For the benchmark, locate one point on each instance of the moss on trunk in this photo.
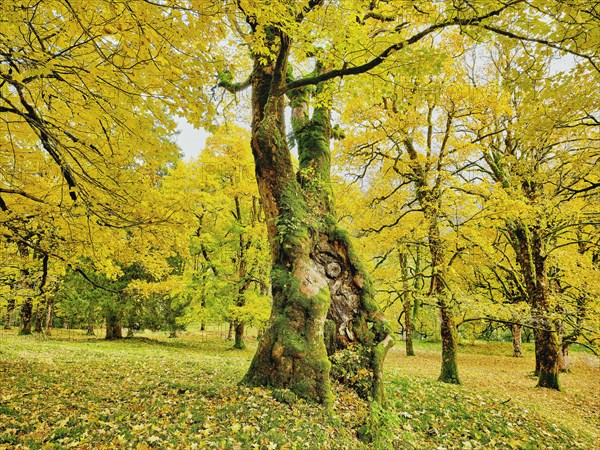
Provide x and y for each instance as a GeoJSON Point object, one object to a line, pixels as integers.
{"type": "Point", "coordinates": [315, 276]}
{"type": "Point", "coordinates": [26, 317]}
{"type": "Point", "coordinates": [449, 372]}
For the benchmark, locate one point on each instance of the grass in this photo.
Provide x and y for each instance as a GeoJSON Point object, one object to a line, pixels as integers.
{"type": "Point", "coordinates": [70, 391]}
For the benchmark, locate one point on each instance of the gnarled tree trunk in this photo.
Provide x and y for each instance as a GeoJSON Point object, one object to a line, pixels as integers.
{"type": "Point", "coordinates": [315, 276]}
{"type": "Point", "coordinates": [26, 316]}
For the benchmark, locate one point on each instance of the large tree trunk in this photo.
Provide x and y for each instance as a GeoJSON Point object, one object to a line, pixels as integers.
{"type": "Point", "coordinates": [516, 329]}
{"type": "Point", "coordinates": [531, 257]}
{"type": "Point", "coordinates": [114, 330]}
{"type": "Point", "coordinates": [315, 275]}
{"type": "Point", "coordinates": [449, 371]}
{"type": "Point", "coordinates": [25, 315]}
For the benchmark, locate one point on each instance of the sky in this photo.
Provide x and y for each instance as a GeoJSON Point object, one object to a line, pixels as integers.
{"type": "Point", "coordinates": [190, 140]}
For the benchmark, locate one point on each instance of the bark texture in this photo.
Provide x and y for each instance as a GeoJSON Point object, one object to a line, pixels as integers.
{"type": "Point", "coordinates": [516, 329]}
{"type": "Point", "coordinates": [316, 277]}
{"type": "Point", "coordinates": [10, 308]}
{"type": "Point", "coordinates": [26, 316]}
{"type": "Point", "coordinates": [114, 329]}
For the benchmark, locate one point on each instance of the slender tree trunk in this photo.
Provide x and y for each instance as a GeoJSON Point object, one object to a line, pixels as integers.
{"type": "Point", "coordinates": [408, 329]}
{"type": "Point", "coordinates": [407, 305]}
{"type": "Point", "coordinates": [516, 329]}
{"type": "Point", "coordinates": [49, 312]}
{"type": "Point", "coordinates": [243, 282]}
{"type": "Point", "coordinates": [538, 346]}
{"type": "Point", "coordinates": [449, 334]}
{"type": "Point", "coordinates": [239, 336]}
{"type": "Point", "coordinates": [39, 318]}
{"type": "Point", "coordinates": [565, 361]}
{"type": "Point", "coordinates": [90, 328]}
{"type": "Point", "coordinates": [230, 330]}
{"type": "Point", "coordinates": [10, 308]}
{"type": "Point", "coordinates": [25, 315]}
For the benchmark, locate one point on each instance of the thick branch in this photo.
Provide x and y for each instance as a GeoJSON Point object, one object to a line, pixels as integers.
{"type": "Point", "coordinates": [383, 56]}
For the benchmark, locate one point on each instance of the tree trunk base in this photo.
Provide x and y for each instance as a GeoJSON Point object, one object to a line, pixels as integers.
{"type": "Point", "coordinates": [548, 380]}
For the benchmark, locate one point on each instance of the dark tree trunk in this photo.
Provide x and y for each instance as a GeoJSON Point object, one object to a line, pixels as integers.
{"type": "Point", "coordinates": [449, 372]}
{"type": "Point", "coordinates": [408, 329]}
{"type": "Point", "coordinates": [531, 257]}
{"type": "Point", "coordinates": [315, 275]}
{"type": "Point", "coordinates": [538, 347]}
{"type": "Point", "coordinates": [230, 331]}
{"type": "Point", "coordinates": [49, 312]}
{"type": "Point", "coordinates": [25, 315]}
{"type": "Point", "coordinates": [407, 305]}
{"type": "Point", "coordinates": [114, 330]}
{"type": "Point", "coordinates": [516, 329]}
{"type": "Point", "coordinates": [429, 195]}
{"type": "Point", "coordinates": [39, 319]}
{"type": "Point", "coordinates": [239, 336]}
{"type": "Point", "coordinates": [548, 354]}
{"type": "Point", "coordinates": [90, 328]}
{"type": "Point", "coordinates": [449, 334]}
{"type": "Point", "coordinates": [242, 280]}
{"type": "Point", "coordinates": [564, 361]}
{"type": "Point", "coordinates": [10, 308]}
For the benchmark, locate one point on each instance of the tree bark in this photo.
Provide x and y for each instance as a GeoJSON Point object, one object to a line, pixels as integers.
{"type": "Point", "coordinates": [407, 305]}
{"type": "Point", "coordinates": [564, 361]}
{"type": "Point", "coordinates": [49, 312]}
{"type": "Point", "coordinates": [114, 330]}
{"type": "Point", "coordinates": [449, 334]}
{"type": "Point", "coordinates": [531, 257]}
{"type": "Point", "coordinates": [10, 308]}
{"type": "Point", "coordinates": [39, 319]}
{"type": "Point", "coordinates": [25, 315]}
{"type": "Point", "coordinates": [517, 329]}
{"type": "Point", "coordinates": [315, 274]}
{"type": "Point", "coordinates": [239, 342]}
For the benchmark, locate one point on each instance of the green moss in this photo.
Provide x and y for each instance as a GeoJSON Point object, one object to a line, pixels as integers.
{"type": "Point", "coordinates": [292, 230]}
{"type": "Point", "coordinates": [330, 336]}
{"type": "Point", "coordinates": [294, 344]}
{"type": "Point", "coordinates": [361, 329]}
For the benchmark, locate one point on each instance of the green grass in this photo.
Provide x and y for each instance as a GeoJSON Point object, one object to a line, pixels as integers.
{"type": "Point", "coordinates": [153, 392]}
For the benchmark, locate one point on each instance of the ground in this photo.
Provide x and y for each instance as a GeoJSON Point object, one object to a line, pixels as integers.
{"type": "Point", "coordinates": [70, 391]}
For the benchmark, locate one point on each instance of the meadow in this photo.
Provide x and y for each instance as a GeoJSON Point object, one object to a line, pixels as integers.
{"type": "Point", "coordinates": [72, 391]}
